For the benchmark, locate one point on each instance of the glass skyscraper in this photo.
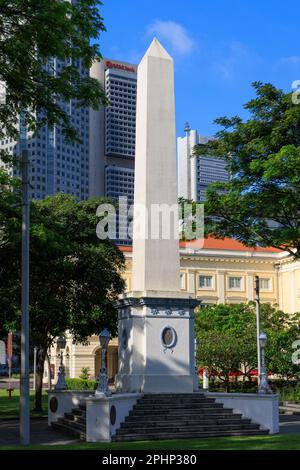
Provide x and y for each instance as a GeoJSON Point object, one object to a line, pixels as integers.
{"type": "Point", "coordinates": [57, 165]}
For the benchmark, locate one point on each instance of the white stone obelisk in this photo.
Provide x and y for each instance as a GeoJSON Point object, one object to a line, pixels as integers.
{"type": "Point", "coordinates": [156, 320]}
{"type": "Point", "coordinates": [155, 261]}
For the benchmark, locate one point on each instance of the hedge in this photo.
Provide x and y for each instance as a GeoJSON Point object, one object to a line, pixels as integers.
{"type": "Point", "coordinates": [79, 384]}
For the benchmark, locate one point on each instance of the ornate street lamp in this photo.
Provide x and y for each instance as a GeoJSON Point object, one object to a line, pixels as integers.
{"type": "Point", "coordinates": [102, 389]}
{"type": "Point", "coordinates": [195, 362]}
{"type": "Point", "coordinates": [263, 383]}
{"type": "Point", "coordinates": [61, 377]}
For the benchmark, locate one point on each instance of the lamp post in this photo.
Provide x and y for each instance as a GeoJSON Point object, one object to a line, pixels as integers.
{"type": "Point", "coordinates": [195, 360]}
{"type": "Point", "coordinates": [263, 383]}
{"type": "Point", "coordinates": [61, 381]}
{"type": "Point", "coordinates": [34, 367]}
{"type": "Point", "coordinates": [25, 382]}
{"type": "Point", "coordinates": [102, 389]}
{"type": "Point", "coordinates": [257, 304]}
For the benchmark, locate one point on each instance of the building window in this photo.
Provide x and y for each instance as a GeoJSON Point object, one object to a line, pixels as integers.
{"type": "Point", "coordinates": [183, 280]}
{"type": "Point", "coordinates": [205, 282]}
{"type": "Point", "coordinates": [235, 283]}
{"type": "Point", "coordinates": [265, 283]}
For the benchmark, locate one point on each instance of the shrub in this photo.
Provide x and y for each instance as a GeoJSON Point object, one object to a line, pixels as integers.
{"type": "Point", "coordinates": [79, 384]}
{"type": "Point", "coordinates": [85, 373]}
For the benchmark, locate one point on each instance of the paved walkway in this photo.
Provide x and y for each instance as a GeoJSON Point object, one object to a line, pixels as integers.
{"type": "Point", "coordinates": [40, 433]}
{"type": "Point", "coordinates": [15, 383]}
{"type": "Point", "coordinates": [289, 424]}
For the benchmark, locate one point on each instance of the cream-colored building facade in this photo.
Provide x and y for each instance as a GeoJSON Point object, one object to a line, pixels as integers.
{"type": "Point", "coordinates": [215, 272]}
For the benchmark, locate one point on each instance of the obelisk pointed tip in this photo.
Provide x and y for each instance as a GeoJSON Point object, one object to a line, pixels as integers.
{"type": "Point", "coordinates": [157, 50]}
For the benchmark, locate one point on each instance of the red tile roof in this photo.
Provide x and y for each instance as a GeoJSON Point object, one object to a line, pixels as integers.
{"type": "Point", "coordinates": [211, 243]}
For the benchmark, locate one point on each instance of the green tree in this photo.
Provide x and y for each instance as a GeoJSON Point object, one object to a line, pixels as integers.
{"type": "Point", "coordinates": [32, 32]}
{"type": "Point", "coordinates": [225, 352]}
{"type": "Point", "coordinates": [260, 204]}
{"type": "Point", "coordinates": [85, 373]}
{"type": "Point", "coordinates": [233, 328]}
{"type": "Point", "coordinates": [74, 277]}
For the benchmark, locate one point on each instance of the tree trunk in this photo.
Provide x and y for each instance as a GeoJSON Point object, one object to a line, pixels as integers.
{"type": "Point", "coordinates": [41, 354]}
{"type": "Point", "coordinates": [227, 384]}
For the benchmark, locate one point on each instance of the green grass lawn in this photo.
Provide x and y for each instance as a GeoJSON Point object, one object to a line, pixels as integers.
{"type": "Point", "coordinates": [287, 442]}
{"type": "Point", "coordinates": [9, 407]}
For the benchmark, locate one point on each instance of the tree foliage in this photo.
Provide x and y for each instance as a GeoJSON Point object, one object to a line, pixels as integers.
{"type": "Point", "coordinates": [261, 203]}
{"type": "Point", "coordinates": [227, 340]}
{"type": "Point", "coordinates": [74, 277]}
{"type": "Point", "coordinates": [32, 33]}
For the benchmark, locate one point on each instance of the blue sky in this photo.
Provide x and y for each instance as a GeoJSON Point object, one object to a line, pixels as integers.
{"type": "Point", "coordinates": [219, 48]}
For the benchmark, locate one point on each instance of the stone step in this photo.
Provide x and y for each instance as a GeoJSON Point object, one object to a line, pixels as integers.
{"type": "Point", "coordinates": [175, 406]}
{"type": "Point", "coordinates": [69, 430]}
{"type": "Point", "coordinates": [179, 412]}
{"type": "Point", "coordinates": [133, 417]}
{"type": "Point", "coordinates": [74, 417]}
{"type": "Point", "coordinates": [73, 424]}
{"type": "Point", "coordinates": [180, 400]}
{"type": "Point", "coordinates": [188, 428]}
{"type": "Point", "coordinates": [166, 424]}
{"type": "Point", "coordinates": [188, 435]}
{"type": "Point", "coordinates": [290, 404]}
{"type": "Point", "coordinates": [158, 396]}
{"type": "Point", "coordinates": [78, 412]}
{"type": "Point", "coordinates": [289, 410]}
{"type": "Point", "coordinates": [185, 419]}
{"type": "Point", "coordinates": [176, 400]}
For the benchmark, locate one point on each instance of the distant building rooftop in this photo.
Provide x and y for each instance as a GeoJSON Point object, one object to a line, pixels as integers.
{"type": "Point", "coordinates": [211, 243]}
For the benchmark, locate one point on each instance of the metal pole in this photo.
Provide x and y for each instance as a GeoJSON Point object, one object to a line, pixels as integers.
{"type": "Point", "coordinates": [34, 367]}
{"type": "Point", "coordinates": [10, 350]}
{"type": "Point", "coordinates": [25, 384]}
{"type": "Point", "coordinates": [257, 302]}
{"type": "Point", "coordinates": [103, 360]}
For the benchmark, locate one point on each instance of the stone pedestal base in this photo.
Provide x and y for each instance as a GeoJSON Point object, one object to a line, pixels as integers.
{"type": "Point", "coordinates": [261, 409]}
{"type": "Point", "coordinates": [105, 415]}
{"type": "Point", "coordinates": [156, 345]}
{"type": "Point", "coordinates": [155, 383]}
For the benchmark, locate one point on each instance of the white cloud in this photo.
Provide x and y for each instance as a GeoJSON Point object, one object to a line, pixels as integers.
{"type": "Point", "coordinates": [292, 60]}
{"type": "Point", "coordinates": [232, 57]}
{"type": "Point", "coordinates": [174, 33]}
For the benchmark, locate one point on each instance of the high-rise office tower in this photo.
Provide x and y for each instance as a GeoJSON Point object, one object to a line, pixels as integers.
{"type": "Point", "coordinates": [112, 136]}
{"type": "Point", "coordinates": [112, 131]}
{"type": "Point", "coordinates": [196, 173]}
{"type": "Point", "coordinates": [57, 165]}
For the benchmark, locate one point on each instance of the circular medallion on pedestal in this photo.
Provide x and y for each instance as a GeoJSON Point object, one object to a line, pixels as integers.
{"type": "Point", "coordinates": [124, 339]}
{"type": "Point", "coordinates": [168, 337]}
{"type": "Point", "coordinates": [113, 415]}
{"type": "Point", "coordinates": [53, 404]}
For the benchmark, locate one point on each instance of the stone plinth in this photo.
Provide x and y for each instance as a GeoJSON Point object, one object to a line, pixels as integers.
{"type": "Point", "coordinates": [105, 415]}
{"type": "Point", "coordinates": [156, 345]}
{"type": "Point", "coordinates": [261, 409]}
{"type": "Point", "coordinates": [63, 401]}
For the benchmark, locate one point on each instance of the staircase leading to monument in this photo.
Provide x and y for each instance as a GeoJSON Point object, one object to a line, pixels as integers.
{"type": "Point", "coordinates": [169, 416]}
{"type": "Point", "coordinates": [182, 416]}
{"type": "Point", "coordinates": [73, 423]}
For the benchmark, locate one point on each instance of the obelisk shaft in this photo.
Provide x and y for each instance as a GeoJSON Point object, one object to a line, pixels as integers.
{"type": "Point", "coordinates": [156, 265]}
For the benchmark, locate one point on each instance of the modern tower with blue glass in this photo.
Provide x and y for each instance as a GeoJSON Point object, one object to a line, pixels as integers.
{"type": "Point", "coordinates": [57, 165]}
